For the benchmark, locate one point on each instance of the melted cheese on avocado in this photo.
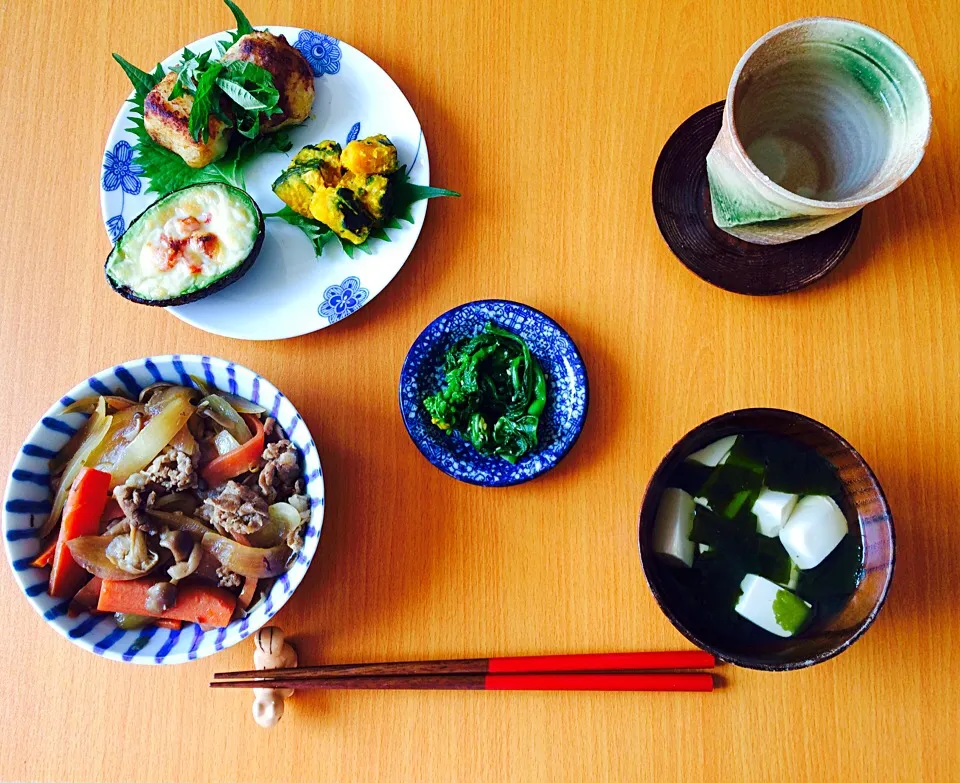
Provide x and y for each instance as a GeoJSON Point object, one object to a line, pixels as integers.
{"type": "Point", "coordinates": [186, 244]}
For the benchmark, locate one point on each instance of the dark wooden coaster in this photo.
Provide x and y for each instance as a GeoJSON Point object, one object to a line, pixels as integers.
{"type": "Point", "coordinates": [681, 204]}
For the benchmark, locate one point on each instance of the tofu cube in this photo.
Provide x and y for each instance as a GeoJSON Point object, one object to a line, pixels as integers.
{"type": "Point", "coordinates": [672, 527]}
{"type": "Point", "coordinates": [772, 510]}
{"type": "Point", "coordinates": [772, 607]}
{"type": "Point", "coordinates": [715, 453]}
{"type": "Point", "coordinates": [813, 530]}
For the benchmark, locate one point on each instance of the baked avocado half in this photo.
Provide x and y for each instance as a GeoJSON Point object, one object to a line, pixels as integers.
{"type": "Point", "coordinates": [186, 246]}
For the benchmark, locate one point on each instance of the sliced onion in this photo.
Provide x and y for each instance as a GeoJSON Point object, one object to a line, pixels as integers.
{"type": "Point", "coordinates": [225, 442]}
{"type": "Point", "coordinates": [247, 560]}
{"type": "Point", "coordinates": [224, 414]}
{"type": "Point", "coordinates": [240, 405]}
{"type": "Point", "coordinates": [90, 553]}
{"type": "Point", "coordinates": [98, 425]}
{"type": "Point", "coordinates": [147, 392]}
{"type": "Point", "coordinates": [284, 521]}
{"type": "Point", "coordinates": [122, 431]}
{"type": "Point", "coordinates": [164, 392]}
{"type": "Point", "coordinates": [178, 521]}
{"type": "Point", "coordinates": [154, 437]}
{"type": "Point", "coordinates": [70, 447]}
{"type": "Point", "coordinates": [183, 502]}
{"type": "Point", "coordinates": [184, 441]}
{"type": "Point", "coordinates": [89, 404]}
{"type": "Point", "coordinates": [204, 387]}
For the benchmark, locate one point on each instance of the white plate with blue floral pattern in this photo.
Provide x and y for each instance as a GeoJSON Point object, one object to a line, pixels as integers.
{"type": "Point", "coordinates": [290, 291]}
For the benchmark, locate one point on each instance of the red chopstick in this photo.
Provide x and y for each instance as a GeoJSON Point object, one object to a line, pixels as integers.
{"type": "Point", "coordinates": [676, 682]}
{"type": "Point", "coordinates": [640, 671]}
{"type": "Point", "coordinates": [601, 662]}
{"type": "Point", "coordinates": [530, 664]}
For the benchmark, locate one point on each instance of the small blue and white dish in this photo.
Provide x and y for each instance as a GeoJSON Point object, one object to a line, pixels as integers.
{"type": "Point", "coordinates": [27, 502]}
{"type": "Point", "coordinates": [567, 392]}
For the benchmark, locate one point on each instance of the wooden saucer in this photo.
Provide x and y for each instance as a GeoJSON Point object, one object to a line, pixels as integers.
{"type": "Point", "coordinates": [681, 204]}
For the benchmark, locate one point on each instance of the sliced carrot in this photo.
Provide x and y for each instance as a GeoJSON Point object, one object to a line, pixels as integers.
{"type": "Point", "coordinates": [86, 598]}
{"type": "Point", "coordinates": [246, 595]}
{"type": "Point", "coordinates": [81, 517]}
{"type": "Point", "coordinates": [240, 460]}
{"type": "Point", "coordinates": [196, 603]}
{"type": "Point", "coordinates": [166, 622]}
{"type": "Point", "coordinates": [46, 556]}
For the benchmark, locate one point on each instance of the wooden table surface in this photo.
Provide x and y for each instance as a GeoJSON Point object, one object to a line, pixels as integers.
{"type": "Point", "coordinates": [548, 117]}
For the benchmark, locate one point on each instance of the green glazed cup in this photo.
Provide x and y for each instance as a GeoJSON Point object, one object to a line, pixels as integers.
{"type": "Point", "coordinates": [822, 117]}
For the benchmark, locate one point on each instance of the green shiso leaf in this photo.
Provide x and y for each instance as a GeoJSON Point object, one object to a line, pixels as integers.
{"type": "Point", "coordinates": [188, 71]}
{"type": "Point", "coordinates": [243, 24]}
{"type": "Point", "coordinates": [316, 232]}
{"type": "Point", "coordinates": [412, 193]}
{"type": "Point", "coordinates": [406, 194]}
{"type": "Point", "coordinates": [253, 93]}
{"type": "Point", "coordinates": [241, 96]}
{"type": "Point", "coordinates": [203, 101]}
{"type": "Point", "coordinates": [165, 170]}
{"type": "Point", "coordinates": [142, 81]}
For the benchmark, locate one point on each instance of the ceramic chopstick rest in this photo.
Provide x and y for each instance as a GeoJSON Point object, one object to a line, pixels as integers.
{"type": "Point", "coordinates": [271, 651]}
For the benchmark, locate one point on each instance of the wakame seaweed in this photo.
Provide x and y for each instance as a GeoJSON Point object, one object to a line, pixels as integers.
{"type": "Point", "coordinates": [729, 545]}
{"type": "Point", "coordinates": [494, 394]}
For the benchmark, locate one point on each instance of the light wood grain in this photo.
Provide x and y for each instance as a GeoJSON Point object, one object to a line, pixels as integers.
{"type": "Point", "coordinates": [548, 118]}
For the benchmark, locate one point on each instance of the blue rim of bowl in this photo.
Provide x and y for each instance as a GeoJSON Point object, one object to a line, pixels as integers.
{"type": "Point", "coordinates": [408, 372]}
{"type": "Point", "coordinates": [26, 495]}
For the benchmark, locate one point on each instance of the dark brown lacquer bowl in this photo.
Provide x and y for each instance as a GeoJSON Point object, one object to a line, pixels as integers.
{"type": "Point", "coordinates": [863, 501]}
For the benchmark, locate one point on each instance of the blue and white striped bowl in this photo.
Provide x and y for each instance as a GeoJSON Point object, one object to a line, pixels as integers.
{"type": "Point", "coordinates": [27, 501]}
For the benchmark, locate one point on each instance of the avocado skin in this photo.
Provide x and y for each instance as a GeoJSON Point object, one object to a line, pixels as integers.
{"type": "Point", "coordinates": [231, 277]}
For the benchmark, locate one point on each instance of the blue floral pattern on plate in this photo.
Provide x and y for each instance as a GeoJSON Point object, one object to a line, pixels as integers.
{"type": "Point", "coordinates": [339, 301]}
{"type": "Point", "coordinates": [321, 51]}
{"type": "Point", "coordinates": [27, 503]}
{"type": "Point", "coordinates": [567, 385]}
{"type": "Point", "coordinates": [120, 171]}
{"type": "Point", "coordinates": [380, 105]}
{"type": "Point", "coordinates": [116, 226]}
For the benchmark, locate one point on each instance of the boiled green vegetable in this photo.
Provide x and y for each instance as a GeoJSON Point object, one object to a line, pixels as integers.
{"type": "Point", "coordinates": [494, 394]}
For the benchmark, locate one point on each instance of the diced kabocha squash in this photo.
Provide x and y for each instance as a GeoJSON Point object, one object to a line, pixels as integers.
{"type": "Point", "coordinates": [373, 155]}
{"type": "Point", "coordinates": [296, 187]}
{"type": "Point", "coordinates": [342, 212]}
{"type": "Point", "coordinates": [326, 156]}
{"type": "Point", "coordinates": [372, 190]}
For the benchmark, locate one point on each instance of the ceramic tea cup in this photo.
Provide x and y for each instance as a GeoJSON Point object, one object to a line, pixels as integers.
{"type": "Point", "coordinates": [822, 117]}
